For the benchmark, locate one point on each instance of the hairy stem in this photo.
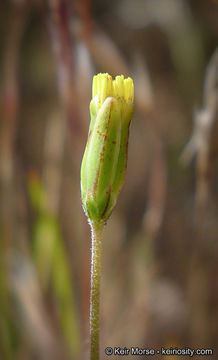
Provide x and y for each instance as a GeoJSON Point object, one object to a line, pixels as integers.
{"type": "Point", "coordinates": [97, 229]}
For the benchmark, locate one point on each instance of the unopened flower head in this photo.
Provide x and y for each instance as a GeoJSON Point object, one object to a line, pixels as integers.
{"type": "Point", "coordinates": [104, 161]}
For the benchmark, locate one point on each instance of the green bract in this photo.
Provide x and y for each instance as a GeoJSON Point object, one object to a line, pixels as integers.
{"type": "Point", "coordinates": [104, 161]}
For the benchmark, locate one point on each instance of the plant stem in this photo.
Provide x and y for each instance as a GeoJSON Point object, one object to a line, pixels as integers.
{"type": "Point", "coordinates": [97, 229]}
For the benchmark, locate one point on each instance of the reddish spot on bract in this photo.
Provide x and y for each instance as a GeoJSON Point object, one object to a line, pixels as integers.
{"type": "Point", "coordinates": [109, 190]}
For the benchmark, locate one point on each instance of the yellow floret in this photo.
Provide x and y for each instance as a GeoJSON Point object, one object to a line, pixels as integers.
{"type": "Point", "coordinates": [104, 86]}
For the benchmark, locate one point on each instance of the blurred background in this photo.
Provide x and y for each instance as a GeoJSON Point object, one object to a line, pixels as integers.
{"type": "Point", "coordinates": [160, 249]}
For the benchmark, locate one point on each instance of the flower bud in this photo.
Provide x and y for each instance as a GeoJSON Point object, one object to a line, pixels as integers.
{"type": "Point", "coordinates": [104, 161]}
